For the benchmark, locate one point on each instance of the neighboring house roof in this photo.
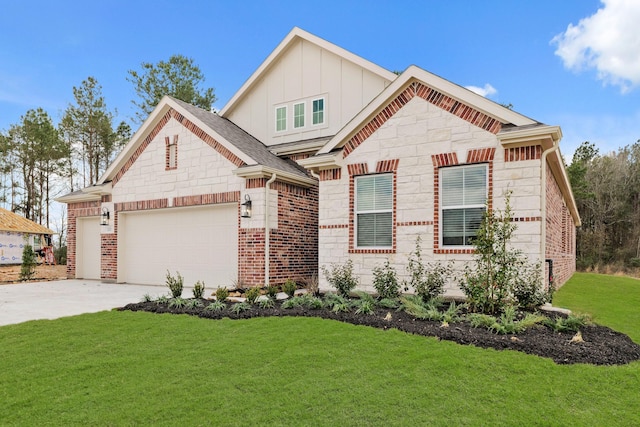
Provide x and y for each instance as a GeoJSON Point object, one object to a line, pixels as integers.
{"type": "Point", "coordinates": [295, 34]}
{"type": "Point", "coordinates": [10, 221]}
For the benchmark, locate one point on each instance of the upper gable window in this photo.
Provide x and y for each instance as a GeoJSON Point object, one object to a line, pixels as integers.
{"type": "Point", "coordinates": [281, 119]}
{"type": "Point", "coordinates": [298, 115]}
{"type": "Point", "coordinates": [318, 111]}
{"type": "Point", "coordinates": [171, 155]}
{"type": "Point", "coordinates": [463, 197]}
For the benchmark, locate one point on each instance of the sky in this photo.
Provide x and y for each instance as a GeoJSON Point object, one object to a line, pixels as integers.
{"type": "Point", "coordinates": [572, 63]}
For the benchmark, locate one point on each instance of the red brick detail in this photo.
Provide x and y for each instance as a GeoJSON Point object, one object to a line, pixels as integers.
{"type": "Point", "coordinates": [387, 166]}
{"type": "Point", "coordinates": [330, 174]}
{"type": "Point", "coordinates": [145, 143]}
{"type": "Point", "coordinates": [255, 183]}
{"type": "Point", "coordinates": [141, 205]}
{"type": "Point", "coordinates": [75, 211]}
{"type": "Point", "coordinates": [516, 154]}
{"type": "Point", "coordinates": [358, 169]}
{"type": "Point", "coordinates": [105, 198]}
{"type": "Point", "coordinates": [293, 244]}
{"type": "Point", "coordinates": [352, 242]}
{"type": "Point", "coordinates": [207, 199]}
{"type": "Point", "coordinates": [444, 159]}
{"type": "Point", "coordinates": [560, 233]}
{"type": "Point", "coordinates": [413, 223]}
{"type": "Point", "coordinates": [299, 156]}
{"type": "Point", "coordinates": [187, 124]}
{"type": "Point", "coordinates": [333, 226]}
{"type": "Point", "coordinates": [447, 159]}
{"type": "Point", "coordinates": [169, 165]}
{"type": "Point", "coordinates": [430, 95]}
{"type": "Point", "coordinates": [481, 155]}
{"type": "Point", "coordinates": [109, 254]}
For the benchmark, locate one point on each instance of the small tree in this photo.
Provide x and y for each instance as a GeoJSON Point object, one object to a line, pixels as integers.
{"type": "Point", "coordinates": [500, 270]}
{"type": "Point", "coordinates": [28, 269]}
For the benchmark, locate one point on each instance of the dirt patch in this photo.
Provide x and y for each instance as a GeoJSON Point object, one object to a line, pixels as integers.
{"type": "Point", "coordinates": [601, 345]}
{"type": "Point", "coordinates": [11, 273]}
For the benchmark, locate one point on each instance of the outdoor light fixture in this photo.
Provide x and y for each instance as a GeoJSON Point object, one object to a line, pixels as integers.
{"type": "Point", "coordinates": [245, 208]}
{"type": "Point", "coordinates": [104, 218]}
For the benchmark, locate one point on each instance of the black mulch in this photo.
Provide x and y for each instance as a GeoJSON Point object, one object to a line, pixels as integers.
{"type": "Point", "coordinates": [601, 346]}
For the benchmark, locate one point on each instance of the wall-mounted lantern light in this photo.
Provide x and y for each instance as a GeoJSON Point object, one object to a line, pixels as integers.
{"type": "Point", "coordinates": [104, 218]}
{"type": "Point", "coordinates": [245, 208]}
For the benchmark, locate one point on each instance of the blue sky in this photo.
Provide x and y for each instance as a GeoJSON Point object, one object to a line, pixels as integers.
{"type": "Point", "coordinates": [573, 63]}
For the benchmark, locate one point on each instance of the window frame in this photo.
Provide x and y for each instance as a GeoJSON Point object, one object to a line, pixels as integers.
{"type": "Point", "coordinates": [313, 112]}
{"type": "Point", "coordinates": [283, 119]}
{"type": "Point", "coordinates": [357, 213]}
{"type": "Point", "coordinates": [297, 116]}
{"type": "Point", "coordinates": [442, 208]}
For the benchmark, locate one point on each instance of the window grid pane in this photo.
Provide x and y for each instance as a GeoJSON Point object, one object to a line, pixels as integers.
{"type": "Point", "coordinates": [318, 111]}
{"type": "Point", "coordinates": [281, 119]}
{"type": "Point", "coordinates": [298, 115]}
{"type": "Point", "coordinates": [374, 204]}
{"type": "Point", "coordinates": [463, 198]}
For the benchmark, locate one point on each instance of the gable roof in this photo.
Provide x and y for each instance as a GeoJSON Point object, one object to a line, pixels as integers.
{"type": "Point", "coordinates": [244, 149]}
{"type": "Point", "coordinates": [294, 35]}
{"type": "Point", "coordinates": [10, 221]}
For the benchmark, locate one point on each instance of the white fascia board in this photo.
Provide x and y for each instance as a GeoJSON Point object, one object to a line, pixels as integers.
{"type": "Point", "coordinates": [523, 136]}
{"type": "Point", "coordinates": [77, 198]}
{"type": "Point", "coordinates": [417, 74]}
{"type": "Point", "coordinates": [98, 190]}
{"type": "Point", "coordinates": [282, 47]}
{"type": "Point", "coordinates": [260, 171]}
{"type": "Point", "coordinates": [320, 162]}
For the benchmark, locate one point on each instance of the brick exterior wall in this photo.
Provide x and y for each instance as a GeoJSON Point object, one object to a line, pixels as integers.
{"type": "Point", "coordinates": [75, 211]}
{"type": "Point", "coordinates": [293, 242]}
{"type": "Point", "coordinates": [560, 234]}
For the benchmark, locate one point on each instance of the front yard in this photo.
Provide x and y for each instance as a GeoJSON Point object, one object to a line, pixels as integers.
{"type": "Point", "coordinates": [116, 368]}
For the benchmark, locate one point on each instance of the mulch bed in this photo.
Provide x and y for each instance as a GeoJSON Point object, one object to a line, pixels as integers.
{"type": "Point", "coordinates": [601, 346]}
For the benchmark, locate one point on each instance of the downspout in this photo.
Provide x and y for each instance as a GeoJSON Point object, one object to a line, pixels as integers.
{"type": "Point", "coordinates": [266, 228]}
{"type": "Point", "coordinates": [543, 204]}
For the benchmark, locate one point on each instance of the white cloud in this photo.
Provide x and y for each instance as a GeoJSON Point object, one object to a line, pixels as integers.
{"type": "Point", "coordinates": [485, 91]}
{"type": "Point", "coordinates": [608, 41]}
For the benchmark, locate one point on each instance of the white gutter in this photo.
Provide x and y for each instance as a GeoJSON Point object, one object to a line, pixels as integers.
{"type": "Point", "coordinates": [543, 204]}
{"type": "Point", "coordinates": [266, 229]}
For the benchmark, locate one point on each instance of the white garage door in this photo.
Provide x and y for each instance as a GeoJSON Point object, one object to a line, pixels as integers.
{"type": "Point", "coordinates": [88, 248]}
{"type": "Point", "coordinates": [201, 243]}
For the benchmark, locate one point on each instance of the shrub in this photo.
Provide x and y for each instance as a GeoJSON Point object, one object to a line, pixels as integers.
{"type": "Point", "coordinates": [336, 302]}
{"type": "Point", "coordinates": [341, 277]}
{"type": "Point", "coordinates": [175, 284]}
{"type": "Point", "coordinates": [388, 303]}
{"type": "Point", "coordinates": [289, 288]}
{"type": "Point", "coordinates": [240, 307]}
{"type": "Point", "coordinates": [252, 294]}
{"type": "Point", "coordinates": [146, 298]}
{"type": "Point", "coordinates": [194, 303]}
{"type": "Point", "coordinates": [28, 268]}
{"type": "Point", "coordinates": [365, 304]}
{"type": "Point", "coordinates": [222, 294]}
{"type": "Point", "coordinates": [571, 323]}
{"type": "Point", "coordinates": [527, 289]}
{"type": "Point", "coordinates": [311, 284]}
{"type": "Point", "coordinates": [162, 299]}
{"type": "Point", "coordinates": [177, 302]}
{"type": "Point", "coordinates": [272, 291]}
{"type": "Point", "coordinates": [507, 322]}
{"type": "Point", "coordinates": [427, 280]}
{"type": "Point", "coordinates": [385, 281]}
{"type": "Point", "coordinates": [198, 289]}
{"type": "Point", "coordinates": [267, 303]}
{"type": "Point", "coordinates": [292, 303]}
{"type": "Point", "coordinates": [216, 306]}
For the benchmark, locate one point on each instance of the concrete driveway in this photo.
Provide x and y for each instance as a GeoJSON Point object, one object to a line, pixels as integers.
{"type": "Point", "coordinates": [60, 298]}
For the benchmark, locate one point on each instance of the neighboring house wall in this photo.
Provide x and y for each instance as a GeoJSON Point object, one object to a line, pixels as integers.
{"type": "Point", "coordinates": [418, 140]}
{"type": "Point", "coordinates": [303, 73]}
{"type": "Point", "coordinates": [11, 246]}
{"type": "Point", "coordinates": [560, 234]}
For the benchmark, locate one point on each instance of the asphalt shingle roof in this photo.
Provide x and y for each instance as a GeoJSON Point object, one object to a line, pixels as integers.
{"type": "Point", "coordinates": [246, 143]}
{"type": "Point", "coordinates": [14, 222]}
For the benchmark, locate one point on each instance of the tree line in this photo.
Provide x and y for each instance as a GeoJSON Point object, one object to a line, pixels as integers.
{"type": "Point", "coordinates": [40, 160]}
{"type": "Point", "coordinates": [607, 192]}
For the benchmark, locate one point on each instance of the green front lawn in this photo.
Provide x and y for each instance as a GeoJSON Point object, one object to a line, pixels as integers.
{"type": "Point", "coordinates": [124, 368]}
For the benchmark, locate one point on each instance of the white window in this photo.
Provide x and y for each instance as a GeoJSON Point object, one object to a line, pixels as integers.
{"type": "Point", "coordinates": [318, 111]}
{"type": "Point", "coordinates": [298, 115]}
{"type": "Point", "coordinates": [463, 196]}
{"type": "Point", "coordinates": [281, 119]}
{"type": "Point", "coordinates": [374, 210]}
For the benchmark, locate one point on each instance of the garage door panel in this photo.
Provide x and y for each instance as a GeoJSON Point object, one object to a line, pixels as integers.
{"type": "Point", "coordinates": [200, 243]}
